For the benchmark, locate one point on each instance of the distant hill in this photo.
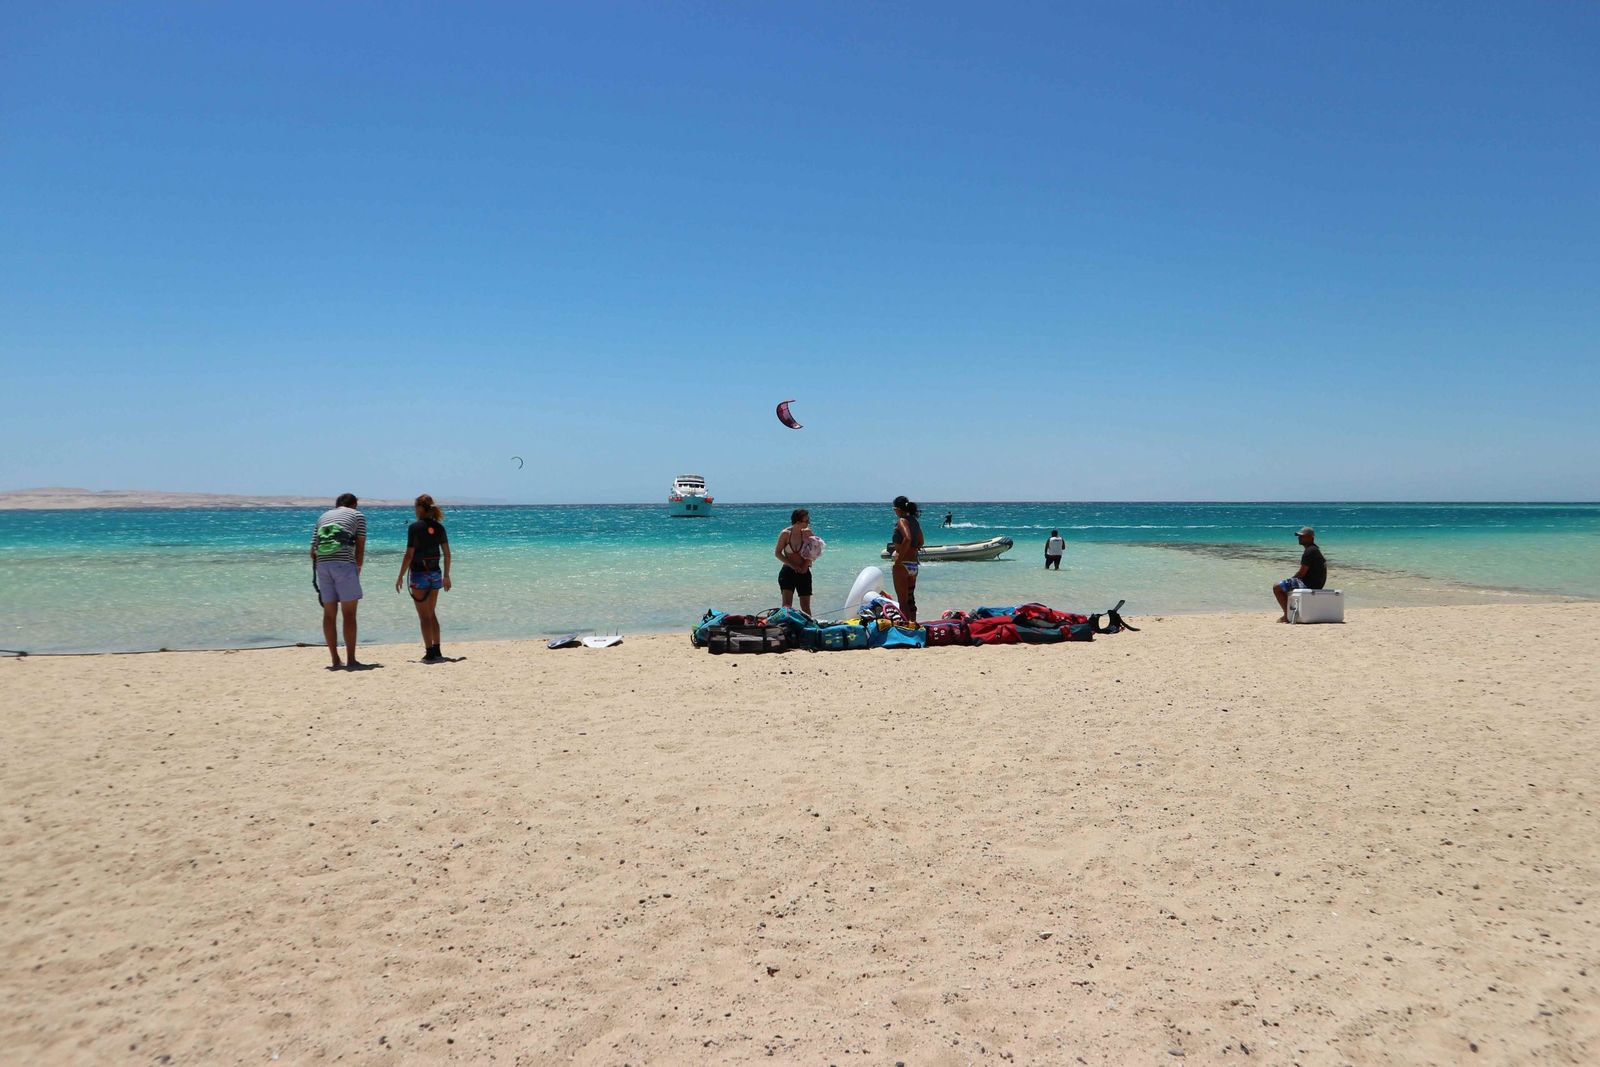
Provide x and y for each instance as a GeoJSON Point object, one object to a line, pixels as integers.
{"type": "Point", "coordinates": [65, 498]}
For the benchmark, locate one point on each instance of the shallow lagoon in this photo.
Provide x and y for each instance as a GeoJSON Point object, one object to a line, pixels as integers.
{"type": "Point", "coordinates": [99, 580]}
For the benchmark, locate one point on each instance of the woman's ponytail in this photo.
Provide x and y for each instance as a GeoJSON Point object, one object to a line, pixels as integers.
{"type": "Point", "coordinates": [429, 509]}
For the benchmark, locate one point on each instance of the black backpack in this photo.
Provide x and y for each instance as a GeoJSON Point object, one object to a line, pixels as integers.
{"type": "Point", "coordinates": [740, 637]}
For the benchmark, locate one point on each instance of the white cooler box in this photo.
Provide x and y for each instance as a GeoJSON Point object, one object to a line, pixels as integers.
{"type": "Point", "coordinates": [1316, 605]}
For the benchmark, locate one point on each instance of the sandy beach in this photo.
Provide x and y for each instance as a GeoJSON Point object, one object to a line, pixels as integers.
{"type": "Point", "coordinates": [1218, 839]}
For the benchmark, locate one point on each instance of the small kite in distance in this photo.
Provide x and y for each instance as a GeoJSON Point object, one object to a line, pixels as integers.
{"type": "Point", "coordinates": [786, 418]}
{"type": "Point", "coordinates": [519, 461]}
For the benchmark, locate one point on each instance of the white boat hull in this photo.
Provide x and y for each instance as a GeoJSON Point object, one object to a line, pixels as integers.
{"type": "Point", "coordinates": [690, 507]}
{"type": "Point", "coordinates": [969, 551]}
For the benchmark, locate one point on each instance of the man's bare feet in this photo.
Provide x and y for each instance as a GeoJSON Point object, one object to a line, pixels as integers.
{"type": "Point", "coordinates": [1284, 619]}
{"type": "Point", "coordinates": [336, 665]}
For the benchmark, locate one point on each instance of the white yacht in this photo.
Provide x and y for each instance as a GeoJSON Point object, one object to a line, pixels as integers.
{"type": "Point", "coordinates": [689, 499]}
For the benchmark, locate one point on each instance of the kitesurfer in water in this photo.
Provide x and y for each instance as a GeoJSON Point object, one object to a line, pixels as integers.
{"type": "Point", "coordinates": [427, 559]}
{"type": "Point", "coordinates": [795, 575]}
{"type": "Point", "coordinates": [906, 546]}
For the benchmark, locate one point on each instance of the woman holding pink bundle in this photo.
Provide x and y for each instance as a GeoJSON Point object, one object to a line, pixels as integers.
{"type": "Point", "coordinates": [797, 549]}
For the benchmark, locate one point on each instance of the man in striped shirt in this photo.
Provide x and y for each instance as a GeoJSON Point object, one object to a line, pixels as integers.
{"type": "Point", "coordinates": [338, 549]}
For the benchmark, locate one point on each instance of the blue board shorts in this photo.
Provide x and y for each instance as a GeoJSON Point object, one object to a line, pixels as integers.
{"type": "Point", "coordinates": [425, 580]}
{"type": "Point", "coordinates": [338, 580]}
{"type": "Point", "coordinates": [1289, 585]}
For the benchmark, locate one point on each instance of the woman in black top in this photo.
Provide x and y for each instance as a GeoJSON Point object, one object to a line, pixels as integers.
{"type": "Point", "coordinates": [428, 561]}
{"type": "Point", "coordinates": [906, 548]}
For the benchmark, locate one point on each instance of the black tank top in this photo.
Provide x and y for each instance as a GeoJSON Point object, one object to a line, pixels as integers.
{"type": "Point", "coordinates": [912, 524]}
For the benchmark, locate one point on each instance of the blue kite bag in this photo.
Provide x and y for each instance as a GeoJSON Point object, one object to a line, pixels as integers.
{"type": "Point", "coordinates": [841, 637]}
{"type": "Point", "coordinates": [713, 619]}
{"type": "Point", "coordinates": [898, 636]}
{"type": "Point", "coordinates": [799, 626]}
{"type": "Point", "coordinates": [698, 634]}
{"type": "Point", "coordinates": [993, 613]}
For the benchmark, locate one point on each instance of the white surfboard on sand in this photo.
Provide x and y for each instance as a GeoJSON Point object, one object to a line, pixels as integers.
{"type": "Point", "coordinates": [610, 641]}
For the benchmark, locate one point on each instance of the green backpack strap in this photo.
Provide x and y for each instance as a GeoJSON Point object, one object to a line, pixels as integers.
{"type": "Point", "coordinates": [331, 537]}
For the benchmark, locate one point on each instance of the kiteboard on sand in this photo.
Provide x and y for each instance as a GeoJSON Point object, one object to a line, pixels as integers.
{"type": "Point", "coordinates": [580, 641]}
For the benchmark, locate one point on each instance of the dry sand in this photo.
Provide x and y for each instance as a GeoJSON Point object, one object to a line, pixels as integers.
{"type": "Point", "coordinates": [1374, 843]}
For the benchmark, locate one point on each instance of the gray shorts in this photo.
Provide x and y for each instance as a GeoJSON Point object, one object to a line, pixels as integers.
{"type": "Point", "coordinates": [339, 580]}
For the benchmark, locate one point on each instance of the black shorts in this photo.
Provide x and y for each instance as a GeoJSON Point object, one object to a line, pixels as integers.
{"type": "Point", "coordinates": [799, 581]}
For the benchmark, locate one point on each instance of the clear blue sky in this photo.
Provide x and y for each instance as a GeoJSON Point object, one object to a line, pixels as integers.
{"type": "Point", "coordinates": [1107, 251]}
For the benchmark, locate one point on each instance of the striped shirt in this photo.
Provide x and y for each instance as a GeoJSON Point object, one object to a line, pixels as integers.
{"type": "Point", "coordinates": [351, 522]}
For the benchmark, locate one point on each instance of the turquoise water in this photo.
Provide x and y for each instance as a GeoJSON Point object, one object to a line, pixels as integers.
{"type": "Point", "coordinates": [103, 580]}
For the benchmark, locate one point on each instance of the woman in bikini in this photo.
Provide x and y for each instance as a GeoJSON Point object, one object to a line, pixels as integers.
{"type": "Point", "coordinates": [795, 575]}
{"type": "Point", "coordinates": [906, 546]}
{"type": "Point", "coordinates": [428, 561]}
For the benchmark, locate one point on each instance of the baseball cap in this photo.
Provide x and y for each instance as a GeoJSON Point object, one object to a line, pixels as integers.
{"type": "Point", "coordinates": [1305, 530]}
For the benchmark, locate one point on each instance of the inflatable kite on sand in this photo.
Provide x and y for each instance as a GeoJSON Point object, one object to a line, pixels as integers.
{"type": "Point", "coordinates": [786, 418]}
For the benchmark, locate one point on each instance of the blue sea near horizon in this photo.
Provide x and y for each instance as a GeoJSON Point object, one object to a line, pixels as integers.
{"type": "Point", "coordinates": [120, 580]}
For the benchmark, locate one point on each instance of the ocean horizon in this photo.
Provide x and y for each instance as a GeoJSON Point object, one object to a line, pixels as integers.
{"type": "Point", "coordinates": [495, 502]}
{"type": "Point", "coordinates": [128, 579]}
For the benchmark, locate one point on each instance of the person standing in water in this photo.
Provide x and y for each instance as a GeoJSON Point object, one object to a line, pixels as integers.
{"type": "Point", "coordinates": [338, 549]}
{"type": "Point", "coordinates": [1053, 549]}
{"type": "Point", "coordinates": [795, 575]}
{"type": "Point", "coordinates": [906, 548]}
{"type": "Point", "coordinates": [427, 559]}
{"type": "Point", "coordinates": [949, 518]}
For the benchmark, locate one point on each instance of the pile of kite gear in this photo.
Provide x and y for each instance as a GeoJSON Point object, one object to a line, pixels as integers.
{"type": "Point", "coordinates": [880, 624]}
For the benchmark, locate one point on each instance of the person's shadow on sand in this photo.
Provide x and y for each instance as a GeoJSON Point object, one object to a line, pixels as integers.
{"type": "Point", "coordinates": [441, 659]}
{"type": "Point", "coordinates": [357, 667]}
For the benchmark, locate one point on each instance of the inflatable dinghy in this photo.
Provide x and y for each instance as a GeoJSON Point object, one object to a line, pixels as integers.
{"type": "Point", "coordinates": [866, 582]}
{"type": "Point", "coordinates": [970, 550]}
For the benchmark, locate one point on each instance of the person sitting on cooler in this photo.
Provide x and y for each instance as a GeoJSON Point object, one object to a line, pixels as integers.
{"type": "Point", "coordinates": [1313, 572]}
